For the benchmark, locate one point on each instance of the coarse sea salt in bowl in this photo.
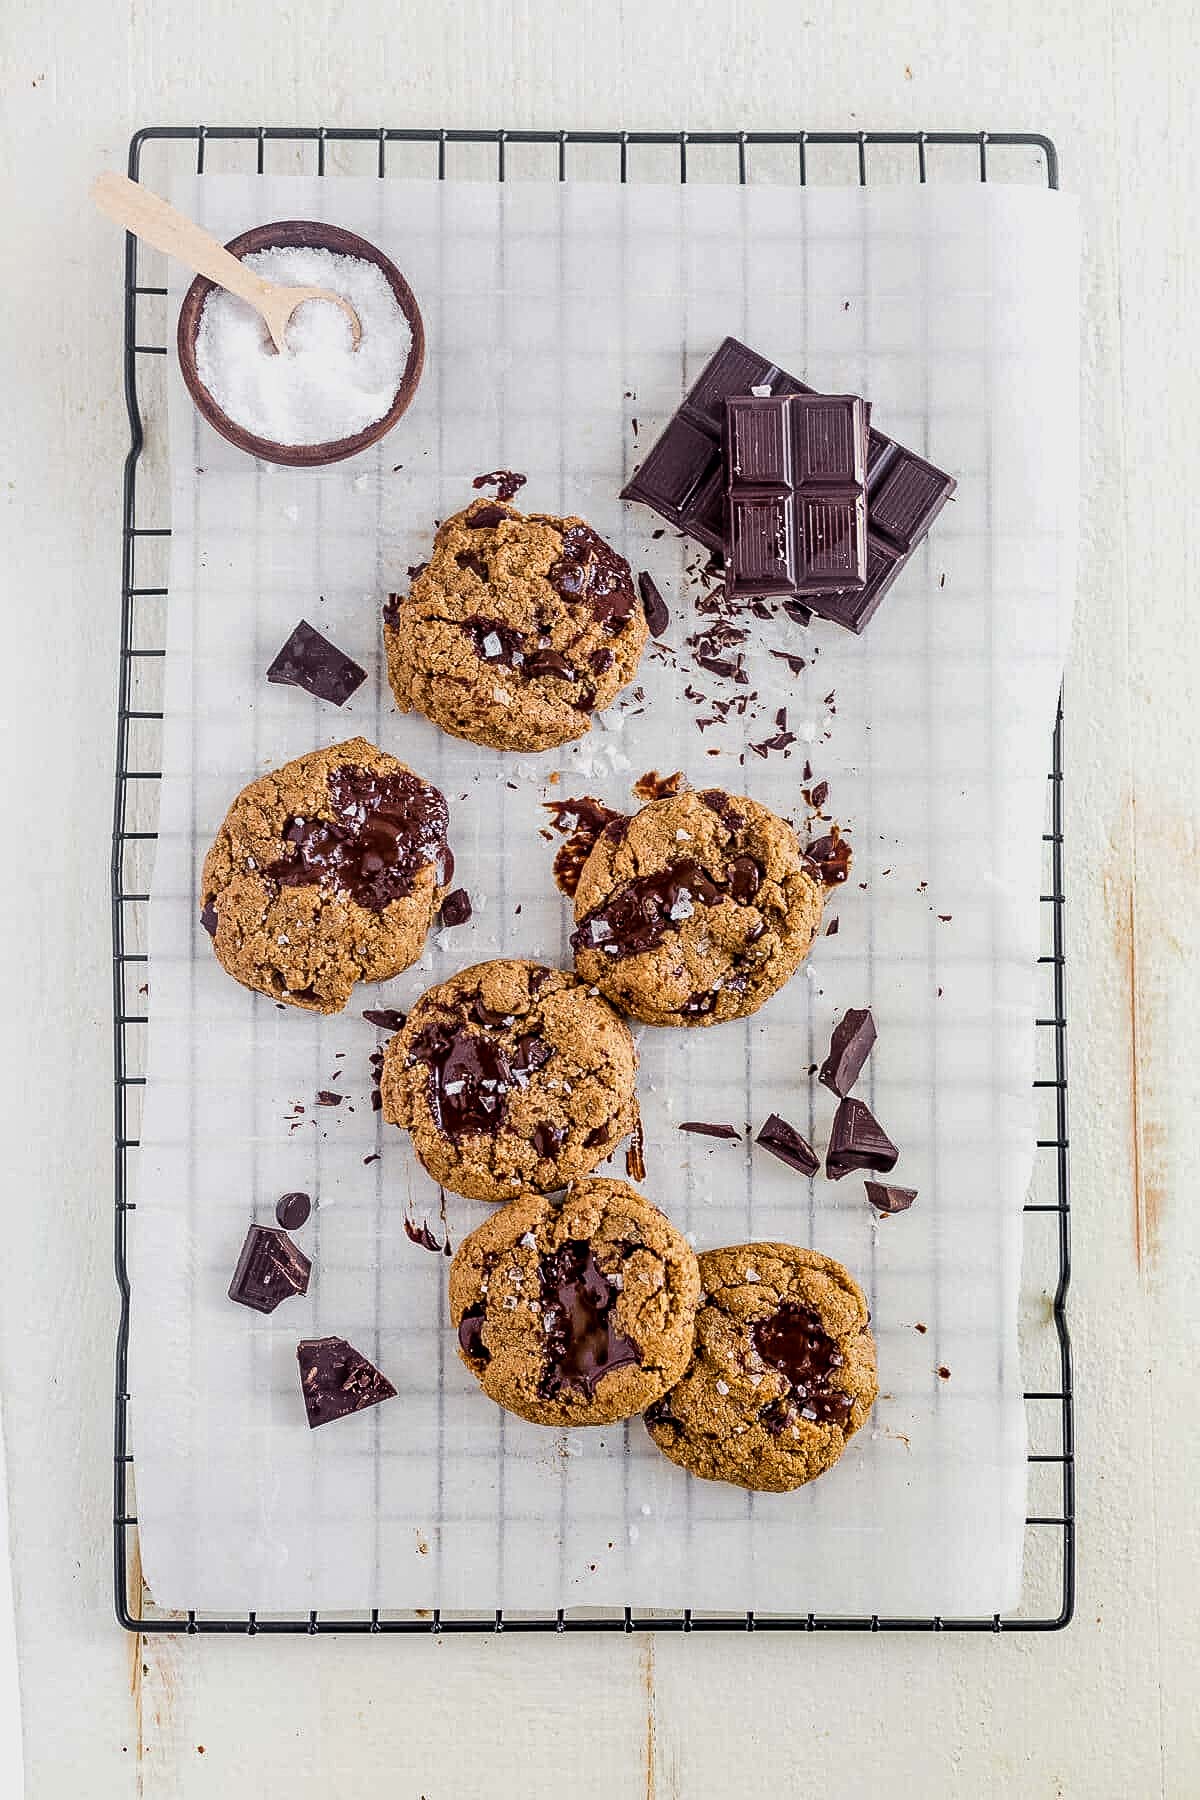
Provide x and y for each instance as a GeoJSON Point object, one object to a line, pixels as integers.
{"type": "Point", "coordinates": [324, 400]}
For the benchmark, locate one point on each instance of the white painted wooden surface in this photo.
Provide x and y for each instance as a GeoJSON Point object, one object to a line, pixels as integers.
{"type": "Point", "coordinates": [1106, 1709]}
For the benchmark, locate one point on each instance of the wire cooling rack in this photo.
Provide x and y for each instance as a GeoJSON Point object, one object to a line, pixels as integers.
{"type": "Point", "coordinates": [798, 156]}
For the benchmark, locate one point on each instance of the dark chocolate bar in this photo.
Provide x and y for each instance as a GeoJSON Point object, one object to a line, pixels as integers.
{"type": "Point", "coordinates": [795, 483]}
{"type": "Point", "coordinates": [682, 478]}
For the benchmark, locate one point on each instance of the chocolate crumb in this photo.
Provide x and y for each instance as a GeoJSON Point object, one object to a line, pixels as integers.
{"type": "Point", "coordinates": [456, 907]}
{"type": "Point", "coordinates": [326, 1097]}
{"type": "Point", "coordinates": [921, 1328]}
{"type": "Point", "coordinates": [944, 1372]}
{"type": "Point", "coordinates": [794, 663]}
{"type": "Point", "coordinates": [832, 855]}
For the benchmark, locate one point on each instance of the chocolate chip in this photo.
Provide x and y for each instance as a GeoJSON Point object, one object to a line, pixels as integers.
{"type": "Point", "coordinates": [658, 616]}
{"type": "Point", "coordinates": [889, 1199]}
{"type": "Point", "coordinates": [793, 1341]}
{"type": "Point", "coordinates": [456, 907]}
{"type": "Point", "coordinates": [269, 1269]}
{"type": "Point", "coordinates": [486, 516]}
{"type": "Point", "coordinates": [387, 1018]}
{"type": "Point", "coordinates": [849, 1048]}
{"type": "Point", "coordinates": [292, 1211]}
{"type": "Point", "coordinates": [858, 1141]}
{"type": "Point", "coordinates": [785, 1142]}
{"type": "Point", "coordinates": [700, 1129]}
{"type": "Point", "coordinates": [309, 661]}
{"type": "Point", "coordinates": [208, 918]}
{"type": "Point", "coordinates": [336, 1380]}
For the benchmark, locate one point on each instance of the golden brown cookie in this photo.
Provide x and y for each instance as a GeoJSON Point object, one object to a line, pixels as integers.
{"type": "Point", "coordinates": [511, 1076]}
{"type": "Point", "coordinates": [578, 1309]}
{"type": "Point", "coordinates": [326, 872]}
{"type": "Point", "coordinates": [695, 910]}
{"type": "Point", "coordinates": [516, 631]}
{"type": "Point", "coordinates": [783, 1371]}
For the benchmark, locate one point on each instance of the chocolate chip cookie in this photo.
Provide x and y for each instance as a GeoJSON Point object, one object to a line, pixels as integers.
{"type": "Point", "coordinates": [511, 1076]}
{"type": "Point", "coordinates": [326, 872]}
{"type": "Point", "coordinates": [577, 1309]}
{"type": "Point", "coordinates": [782, 1374]}
{"type": "Point", "coordinates": [516, 631]}
{"type": "Point", "coordinates": [695, 910]}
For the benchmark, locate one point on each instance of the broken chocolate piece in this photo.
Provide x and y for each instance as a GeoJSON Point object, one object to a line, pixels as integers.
{"type": "Point", "coordinates": [470, 1333]}
{"type": "Point", "coordinates": [832, 856]}
{"type": "Point", "coordinates": [270, 1269]}
{"type": "Point", "coordinates": [795, 484]}
{"type": "Point", "coordinates": [578, 1303]}
{"type": "Point", "coordinates": [456, 907]}
{"type": "Point", "coordinates": [292, 1211]}
{"type": "Point", "coordinates": [208, 917]}
{"type": "Point", "coordinates": [505, 481]}
{"type": "Point", "coordinates": [700, 1129]}
{"type": "Point", "coordinates": [654, 606]}
{"type": "Point", "coordinates": [329, 1097]}
{"type": "Point", "coordinates": [336, 1380]}
{"type": "Point", "coordinates": [785, 1142]}
{"type": "Point", "coordinates": [889, 1199]}
{"type": "Point", "coordinates": [858, 1141]}
{"type": "Point", "coordinates": [387, 1018]}
{"type": "Point", "coordinates": [849, 1048]}
{"type": "Point", "coordinates": [311, 662]}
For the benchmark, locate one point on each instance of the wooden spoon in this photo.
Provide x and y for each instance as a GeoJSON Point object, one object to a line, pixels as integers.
{"type": "Point", "coordinates": [158, 223]}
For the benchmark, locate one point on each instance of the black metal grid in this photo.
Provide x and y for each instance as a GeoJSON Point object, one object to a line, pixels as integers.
{"type": "Point", "coordinates": [137, 733]}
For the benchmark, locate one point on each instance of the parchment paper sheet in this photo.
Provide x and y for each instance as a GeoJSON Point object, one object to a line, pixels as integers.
{"type": "Point", "coordinates": [556, 316]}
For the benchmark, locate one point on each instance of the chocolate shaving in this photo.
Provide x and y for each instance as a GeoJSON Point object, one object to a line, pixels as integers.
{"type": "Point", "coordinates": [421, 1234]}
{"type": "Point", "coordinates": [635, 1161]}
{"type": "Point", "coordinates": [387, 1018]}
{"type": "Point", "coordinates": [654, 606]}
{"type": "Point", "coordinates": [700, 1129]}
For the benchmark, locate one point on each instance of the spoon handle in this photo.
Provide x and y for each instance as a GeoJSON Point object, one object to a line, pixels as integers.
{"type": "Point", "coordinates": [156, 222]}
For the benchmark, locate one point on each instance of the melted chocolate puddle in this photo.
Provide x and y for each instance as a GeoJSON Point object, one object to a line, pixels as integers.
{"type": "Point", "coordinates": [385, 830]}
{"type": "Point", "coordinates": [471, 1075]}
{"type": "Point", "coordinates": [794, 1342]}
{"type": "Point", "coordinates": [582, 1341]}
{"type": "Point", "coordinates": [586, 819]}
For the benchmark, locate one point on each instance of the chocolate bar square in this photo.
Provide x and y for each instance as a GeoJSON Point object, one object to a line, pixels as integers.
{"type": "Point", "coordinates": [795, 469]}
{"type": "Point", "coordinates": [682, 479]}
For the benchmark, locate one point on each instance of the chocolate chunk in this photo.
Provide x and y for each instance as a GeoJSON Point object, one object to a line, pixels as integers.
{"type": "Point", "coordinates": [785, 1142]}
{"type": "Point", "coordinates": [494, 642]}
{"type": "Point", "coordinates": [270, 1269]}
{"type": "Point", "coordinates": [550, 662]}
{"type": "Point", "coordinates": [797, 613]}
{"type": "Point", "coordinates": [470, 1334]}
{"type": "Point", "coordinates": [819, 794]}
{"type": "Point", "coordinates": [421, 1234]}
{"type": "Point", "coordinates": [590, 572]}
{"type": "Point", "coordinates": [336, 1380]}
{"type": "Point", "coordinates": [795, 483]}
{"type": "Point", "coordinates": [700, 1129]}
{"type": "Point", "coordinates": [583, 1344]}
{"type": "Point", "coordinates": [292, 1211]}
{"type": "Point", "coordinates": [585, 819]}
{"type": "Point", "coordinates": [601, 661]}
{"type": "Point", "coordinates": [858, 1141]}
{"type": "Point", "coordinates": [849, 1048]}
{"type": "Point", "coordinates": [659, 1413]}
{"type": "Point", "coordinates": [505, 481]}
{"type": "Point", "coordinates": [456, 907]}
{"type": "Point", "coordinates": [794, 1341]}
{"type": "Point", "coordinates": [470, 1077]}
{"type": "Point", "coordinates": [683, 480]}
{"type": "Point", "coordinates": [484, 517]}
{"type": "Point", "coordinates": [547, 1139]}
{"type": "Point", "coordinates": [889, 1199]}
{"type": "Point", "coordinates": [311, 662]}
{"type": "Point", "coordinates": [831, 856]}
{"type": "Point", "coordinates": [653, 605]}
{"type": "Point", "coordinates": [327, 1097]}
{"type": "Point", "coordinates": [208, 917]}
{"type": "Point", "coordinates": [385, 829]}
{"type": "Point", "coordinates": [387, 1018]}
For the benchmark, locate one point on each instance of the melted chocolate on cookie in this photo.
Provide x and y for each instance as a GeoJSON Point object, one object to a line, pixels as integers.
{"type": "Point", "coordinates": [582, 1341]}
{"type": "Point", "coordinates": [470, 1075]}
{"type": "Point", "coordinates": [591, 572]}
{"type": "Point", "coordinates": [385, 830]}
{"type": "Point", "coordinates": [639, 915]}
{"type": "Point", "coordinates": [793, 1341]}
{"type": "Point", "coordinates": [470, 1334]}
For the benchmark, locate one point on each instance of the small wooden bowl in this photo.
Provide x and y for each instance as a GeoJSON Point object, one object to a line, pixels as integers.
{"type": "Point", "coordinates": [305, 234]}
